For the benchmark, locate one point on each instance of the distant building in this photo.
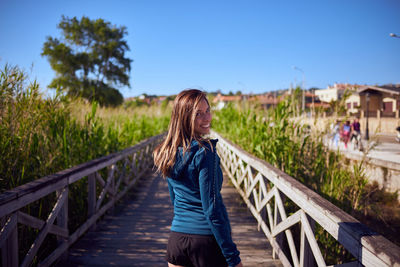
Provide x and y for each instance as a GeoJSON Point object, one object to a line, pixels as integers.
{"type": "Point", "coordinates": [221, 100]}
{"type": "Point", "coordinates": [266, 100]}
{"type": "Point", "coordinates": [384, 100]}
{"type": "Point", "coordinates": [313, 101]}
{"type": "Point", "coordinates": [148, 99]}
{"type": "Point", "coordinates": [353, 103]}
{"type": "Point", "coordinates": [335, 92]}
{"type": "Point", "coordinates": [227, 98]}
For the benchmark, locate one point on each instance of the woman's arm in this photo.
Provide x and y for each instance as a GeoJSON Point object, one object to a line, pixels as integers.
{"type": "Point", "coordinates": [171, 192]}
{"type": "Point", "coordinates": [210, 181]}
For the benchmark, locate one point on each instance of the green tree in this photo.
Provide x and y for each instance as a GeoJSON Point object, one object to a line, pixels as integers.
{"type": "Point", "coordinates": [89, 59]}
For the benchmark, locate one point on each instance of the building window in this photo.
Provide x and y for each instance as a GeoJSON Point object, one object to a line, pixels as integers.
{"type": "Point", "coordinates": [348, 105]}
{"type": "Point", "coordinates": [387, 106]}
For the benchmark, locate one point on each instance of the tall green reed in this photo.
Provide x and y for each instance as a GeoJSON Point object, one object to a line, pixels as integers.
{"type": "Point", "coordinates": [39, 136]}
{"type": "Point", "coordinates": [274, 136]}
{"type": "Point", "coordinates": [43, 135]}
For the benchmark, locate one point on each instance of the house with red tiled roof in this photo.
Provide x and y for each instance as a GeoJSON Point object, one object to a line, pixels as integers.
{"type": "Point", "coordinates": [265, 100]}
{"type": "Point", "coordinates": [382, 100]}
{"type": "Point", "coordinates": [221, 100]}
{"type": "Point", "coordinates": [227, 98]}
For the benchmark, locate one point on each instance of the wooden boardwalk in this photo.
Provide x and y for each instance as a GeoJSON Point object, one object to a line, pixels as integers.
{"type": "Point", "coordinates": [136, 233]}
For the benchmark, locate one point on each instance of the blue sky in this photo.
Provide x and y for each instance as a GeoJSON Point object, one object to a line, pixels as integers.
{"type": "Point", "coordinates": [251, 46]}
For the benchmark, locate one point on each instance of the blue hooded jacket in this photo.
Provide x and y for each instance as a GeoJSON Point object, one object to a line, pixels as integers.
{"type": "Point", "coordinates": [194, 185]}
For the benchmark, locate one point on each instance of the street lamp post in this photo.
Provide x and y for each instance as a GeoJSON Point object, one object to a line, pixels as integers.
{"type": "Point", "coordinates": [303, 103]}
{"type": "Point", "coordinates": [367, 115]}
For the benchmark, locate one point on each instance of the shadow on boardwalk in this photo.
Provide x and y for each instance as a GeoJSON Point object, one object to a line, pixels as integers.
{"type": "Point", "coordinates": [136, 233]}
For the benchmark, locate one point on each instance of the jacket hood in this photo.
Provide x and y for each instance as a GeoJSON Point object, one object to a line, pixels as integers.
{"type": "Point", "coordinates": [182, 161]}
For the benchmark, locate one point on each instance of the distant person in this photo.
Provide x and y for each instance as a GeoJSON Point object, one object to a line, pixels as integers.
{"type": "Point", "coordinates": [336, 134]}
{"type": "Point", "coordinates": [200, 232]}
{"type": "Point", "coordinates": [346, 133]}
{"type": "Point", "coordinates": [356, 132]}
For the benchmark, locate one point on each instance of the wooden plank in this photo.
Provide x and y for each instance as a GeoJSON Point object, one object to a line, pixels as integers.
{"type": "Point", "coordinates": [287, 223]}
{"type": "Point", "coordinates": [92, 197]}
{"type": "Point", "coordinates": [9, 242]}
{"type": "Point", "coordinates": [37, 223]}
{"type": "Point", "coordinates": [303, 242]}
{"type": "Point", "coordinates": [121, 176]}
{"type": "Point", "coordinates": [311, 240]}
{"type": "Point", "coordinates": [107, 188]}
{"type": "Point", "coordinates": [269, 213]}
{"type": "Point", "coordinates": [100, 179]}
{"type": "Point", "coordinates": [8, 228]}
{"type": "Point", "coordinates": [62, 220]}
{"type": "Point", "coordinates": [25, 198]}
{"type": "Point", "coordinates": [267, 198]}
{"type": "Point", "coordinates": [253, 183]}
{"type": "Point", "coordinates": [307, 258]}
{"type": "Point", "coordinates": [289, 236]}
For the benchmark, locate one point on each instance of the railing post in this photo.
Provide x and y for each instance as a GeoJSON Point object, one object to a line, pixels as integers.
{"type": "Point", "coordinates": [62, 221]}
{"type": "Point", "coordinates": [113, 189]}
{"type": "Point", "coordinates": [277, 219]}
{"type": "Point", "coordinates": [92, 198]}
{"type": "Point", "coordinates": [9, 252]}
{"type": "Point", "coordinates": [306, 255]}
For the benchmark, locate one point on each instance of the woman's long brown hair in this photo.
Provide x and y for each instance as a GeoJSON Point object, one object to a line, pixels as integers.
{"type": "Point", "coordinates": [180, 129]}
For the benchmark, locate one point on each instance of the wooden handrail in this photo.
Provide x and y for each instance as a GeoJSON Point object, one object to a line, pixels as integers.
{"type": "Point", "coordinates": [261, 186]}
{"type": "Point", "coordinates": [134, 161]}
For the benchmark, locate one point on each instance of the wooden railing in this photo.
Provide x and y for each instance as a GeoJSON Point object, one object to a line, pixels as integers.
{"type": "Point", "coordinates": [265, 188]}
{"type": "Point", "coordinates": [122, 171]}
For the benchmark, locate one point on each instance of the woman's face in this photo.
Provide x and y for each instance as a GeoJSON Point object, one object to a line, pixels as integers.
{"type": "Point", "coordinates": [203, 118]}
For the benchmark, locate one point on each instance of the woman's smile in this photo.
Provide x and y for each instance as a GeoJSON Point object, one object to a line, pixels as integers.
{"type": "Point", "coordinates": [203, 119]}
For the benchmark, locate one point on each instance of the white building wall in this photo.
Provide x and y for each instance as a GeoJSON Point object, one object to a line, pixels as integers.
{"type": "Point", "coordinates": [327, 95]}
{"type": "Point", "coordinates": [354, 101]}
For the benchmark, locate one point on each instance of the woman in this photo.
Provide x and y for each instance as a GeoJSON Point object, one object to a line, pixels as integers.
{"type": "Point", "coordinates": [200, 231]}
{"type": "Point", "coordinates": [346, 133]}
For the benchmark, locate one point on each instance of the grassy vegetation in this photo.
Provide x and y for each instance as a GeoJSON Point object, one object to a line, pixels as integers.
{"type": "Point", "coordinates": [273, 136]}
{"type": "Point", "coordinates": [40, 136]}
